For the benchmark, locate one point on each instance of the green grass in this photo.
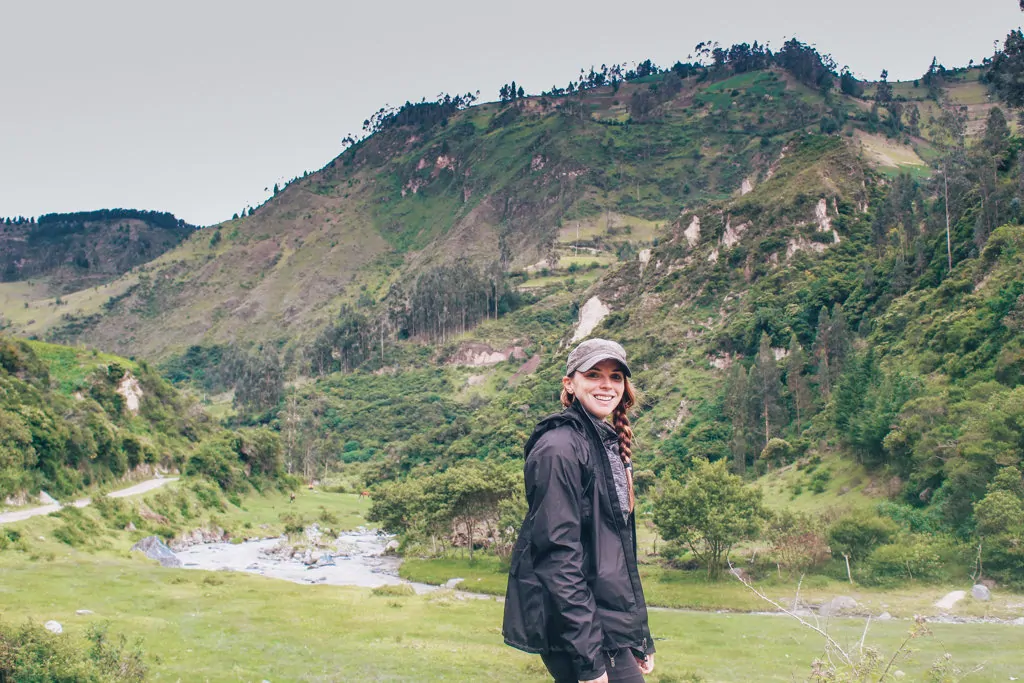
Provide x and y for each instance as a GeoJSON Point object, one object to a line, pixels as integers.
{"type": "Point", "coordinates": [347, 508]}
{"type": "Point", "coordinates": [201, 626]}
{"type": "Point", "coordinates": [691, 590]}
{"type": "Point", "coordinates": [207, 626]}
{"type": "Point", "coordinates": [69, 366]}
{"type": "Point", "coordinates": [845, 489]}
{"type": "Point", "coordinates": [580, 278]}
{"type": "Point", "coordinates": [640, 229]}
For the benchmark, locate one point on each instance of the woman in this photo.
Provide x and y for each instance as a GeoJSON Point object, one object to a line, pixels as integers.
{"type": "Point", "coordinates": [574, 594]}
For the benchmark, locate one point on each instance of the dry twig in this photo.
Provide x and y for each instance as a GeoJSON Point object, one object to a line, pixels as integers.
{"type": "Point", "coordinates": [828, 639]}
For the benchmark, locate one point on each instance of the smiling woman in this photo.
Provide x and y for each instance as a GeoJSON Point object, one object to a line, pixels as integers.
{"type": "Point", "coordinates": [574, 594]}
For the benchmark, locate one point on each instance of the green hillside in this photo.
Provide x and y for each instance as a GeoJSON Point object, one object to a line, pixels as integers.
{"type": "Point", "coordinates": [72, 419]}
{"type": "Point", "coordinates": [816, 280]}
{"type": "Point", "coordinates": [65, 252]}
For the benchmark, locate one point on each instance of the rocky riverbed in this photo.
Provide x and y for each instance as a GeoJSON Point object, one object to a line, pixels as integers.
{"type": "Point", "coordinates": [354, 558]}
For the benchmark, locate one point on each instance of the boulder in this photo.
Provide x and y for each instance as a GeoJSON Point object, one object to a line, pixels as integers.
{"type": "Point", "coordinates": [981, 592]}
{"type": "Point", "coordinates": [1019, 621]}
{"type": "Point", "coordinates": [452, 583]}
{"type": "Point", "coordinates": [154, 548]}
{"type": "Point", "coordinates": [837, 605]}
{"type": "Point", "coordinates": [46, 499]}
{"type": "Point", "coordinates": [391, 547]}
{"type": "Point", "coordinates": [83, 612]}
{"type": "Point", "coordinates": [884, 616]}
{"type": "Point", "coordinates": [53, 626]}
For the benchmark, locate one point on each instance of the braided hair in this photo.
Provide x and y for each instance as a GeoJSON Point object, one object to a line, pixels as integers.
{"type": "Point", "coordinates": [620, 421]}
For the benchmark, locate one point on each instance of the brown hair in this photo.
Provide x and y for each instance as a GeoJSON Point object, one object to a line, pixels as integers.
{"type": "Point", "coordinates": [620, 421]}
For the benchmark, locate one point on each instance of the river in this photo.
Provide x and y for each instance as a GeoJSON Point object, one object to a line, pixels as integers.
{"type": "Point", "coordinates": [357, 559]}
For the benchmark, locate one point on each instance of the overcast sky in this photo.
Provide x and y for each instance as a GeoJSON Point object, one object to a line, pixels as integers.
{"type": "Point", "coordinates": [196, 107]}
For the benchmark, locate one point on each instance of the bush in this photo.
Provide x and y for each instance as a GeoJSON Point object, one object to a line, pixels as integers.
{"type": "Point", "coordinates": [395, 590]}
{"type": "Point", "coordinates": [293, 524]}
{"type": "Point", "coordinates": [912, 557]}
{"type": "Point", "coordinates": [857, 535]}
{"type": "Point", "coordinates": [327, 517]}
{"type": "Point", "coordinates": [31, 653]}
{"type": "Point", "coordinates": [78, 529]}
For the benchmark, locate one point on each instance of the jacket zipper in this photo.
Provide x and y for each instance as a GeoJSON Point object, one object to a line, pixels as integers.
{"type": "Point", "coordinates": [612, 658]}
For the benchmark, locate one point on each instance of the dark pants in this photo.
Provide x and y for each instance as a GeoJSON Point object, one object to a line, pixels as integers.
{"type": "Point", "coordinates": [621, 666]}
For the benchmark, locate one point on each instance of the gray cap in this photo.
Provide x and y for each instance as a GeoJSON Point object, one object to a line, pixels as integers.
{"type": "Point", "coordinates": [593, 351]}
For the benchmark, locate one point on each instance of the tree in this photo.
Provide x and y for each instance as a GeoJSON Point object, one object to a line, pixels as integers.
{"type": "Point", "coordinates": [737, 409]}
{"type": "Point", "coordinates": [854, 537]}
{"type": "Point", "coordinates": [796, 383]}
{"type": "Point", "coordinates": [1007, 72]}
{"type": "Point", "coordinates": [849, 85]}
{"type": "Point", "coordinates": [766, 388]}
{"type": "Point", "coordinates": [822, 344]}
{"type": "Point", "coordinates": [710, 511]}
{"type": "Point", "coordinates": [883, 92]}
{"type": "Point", "coordinates": [473, 493]}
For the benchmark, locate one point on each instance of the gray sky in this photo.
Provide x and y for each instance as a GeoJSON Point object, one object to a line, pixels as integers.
{"type": "Point", "coordinates": [196, 107]}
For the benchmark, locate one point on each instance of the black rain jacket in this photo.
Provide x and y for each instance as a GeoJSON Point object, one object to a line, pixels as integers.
{"type": "Point", "coordinates": [573, 584]}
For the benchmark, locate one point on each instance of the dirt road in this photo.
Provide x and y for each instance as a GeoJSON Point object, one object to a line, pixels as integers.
{"type": "Point", "coordinates": [141, 487]}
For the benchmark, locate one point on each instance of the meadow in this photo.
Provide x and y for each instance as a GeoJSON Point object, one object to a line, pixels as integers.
{"type": "Point", "coordinates": [224, 626]}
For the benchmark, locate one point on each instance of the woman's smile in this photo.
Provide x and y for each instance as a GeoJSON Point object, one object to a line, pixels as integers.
{"type": "Point", "coordinates": [599, 389]}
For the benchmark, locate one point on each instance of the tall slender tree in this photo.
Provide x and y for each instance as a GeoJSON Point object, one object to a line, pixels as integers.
{"type": "Point", "coordinates": [796, 383]}
{"type": "Point", "coordinates": [766, 387]}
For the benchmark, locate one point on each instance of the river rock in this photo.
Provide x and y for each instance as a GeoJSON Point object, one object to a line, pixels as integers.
{"type": "Point", "coordinates": [950, 600]}
{"type": "Point", "coordinates": [46, 499]}
{"type": "Point", "coordinates": [154, 548]}
{"type": "Point", "coordinates": [391, 547]}
{"type": "Point", "coordinates": [981, 592]}
{"type": "Point", "coordinates": [452, 583]}
{"type": "Point", "coordinates": [837, 605]}
{"type": "Point", "coordinates": [53, 626]}
{"type": "Point", "coordinates": [1019, 621]}
{"type": "Point", "coordinates": [884, 616]}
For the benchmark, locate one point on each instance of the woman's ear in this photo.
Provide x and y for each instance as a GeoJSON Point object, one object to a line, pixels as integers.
{"type": "Point", "coordinates": [567, 385]}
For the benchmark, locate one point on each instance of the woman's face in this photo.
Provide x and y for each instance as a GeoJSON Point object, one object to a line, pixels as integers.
{"type": "Point", "coordinates": [599, 389]}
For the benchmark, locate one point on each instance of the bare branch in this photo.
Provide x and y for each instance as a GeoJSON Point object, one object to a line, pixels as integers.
{"type": "Point", "coordinates": [828, 639]}
{"type": "Point", "coordinates": [865, 634]}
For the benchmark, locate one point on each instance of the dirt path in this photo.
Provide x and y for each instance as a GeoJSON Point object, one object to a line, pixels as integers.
{"type": "Point", "coordinates": [141, 487]}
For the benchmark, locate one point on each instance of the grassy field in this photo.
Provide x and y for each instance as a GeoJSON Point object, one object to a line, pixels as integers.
{"type": "Point", "coordinates": [201, 626]}
{"type": "Point", "coordinates": [218, 626]}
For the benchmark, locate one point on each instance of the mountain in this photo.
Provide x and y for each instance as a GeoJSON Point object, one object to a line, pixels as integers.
{"type": "Point", "coordinates": [811, 274]}
{"type": "Point", "coordinates": [514, 188]}
{"type": "Point", "coordinates": [73, 251]}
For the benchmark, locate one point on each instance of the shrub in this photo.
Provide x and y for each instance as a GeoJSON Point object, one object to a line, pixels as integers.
{"type": "Point", "coordinates": [78, 529]}
{"type": "Point", "coordinates": [31, 653]}
{"type": "Point", "coordinates": [912, 557]}
{"type": "Point", "coordinates": [777, 452]}
{"type": "Point", "coordinates": [395, 590]}
{"type": "Point", "coordinates": [820, 480]}
{"type": "Point", "coordinates": [293, 524]}
{"type": "Point", "coordinates": [327, 517]}
{"type": "Point", "coordinates": [857, 535]}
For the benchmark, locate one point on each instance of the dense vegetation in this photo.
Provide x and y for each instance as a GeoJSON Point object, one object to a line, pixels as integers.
{"type": "Point", "coordinates": [796, 309]}
{"type": "Point", "coordinates": [66, 424]}
{"type": "Point", "coordinates": [85, 248]}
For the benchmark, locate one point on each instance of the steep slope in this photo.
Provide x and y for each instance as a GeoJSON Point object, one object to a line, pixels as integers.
{"type": "Point", "coordinates": [502, 186]}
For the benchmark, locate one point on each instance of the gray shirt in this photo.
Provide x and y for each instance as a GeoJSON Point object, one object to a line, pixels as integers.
{"type": "Point", "coordinates": [610, 439]}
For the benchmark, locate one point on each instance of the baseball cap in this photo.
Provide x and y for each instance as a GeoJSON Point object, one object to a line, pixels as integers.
{"type": "Point", "coordinates": [593, 351]}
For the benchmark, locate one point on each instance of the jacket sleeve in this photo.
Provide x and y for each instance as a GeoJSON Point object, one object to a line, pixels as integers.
{"type": "Point", "coordinates": [554, 474]}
